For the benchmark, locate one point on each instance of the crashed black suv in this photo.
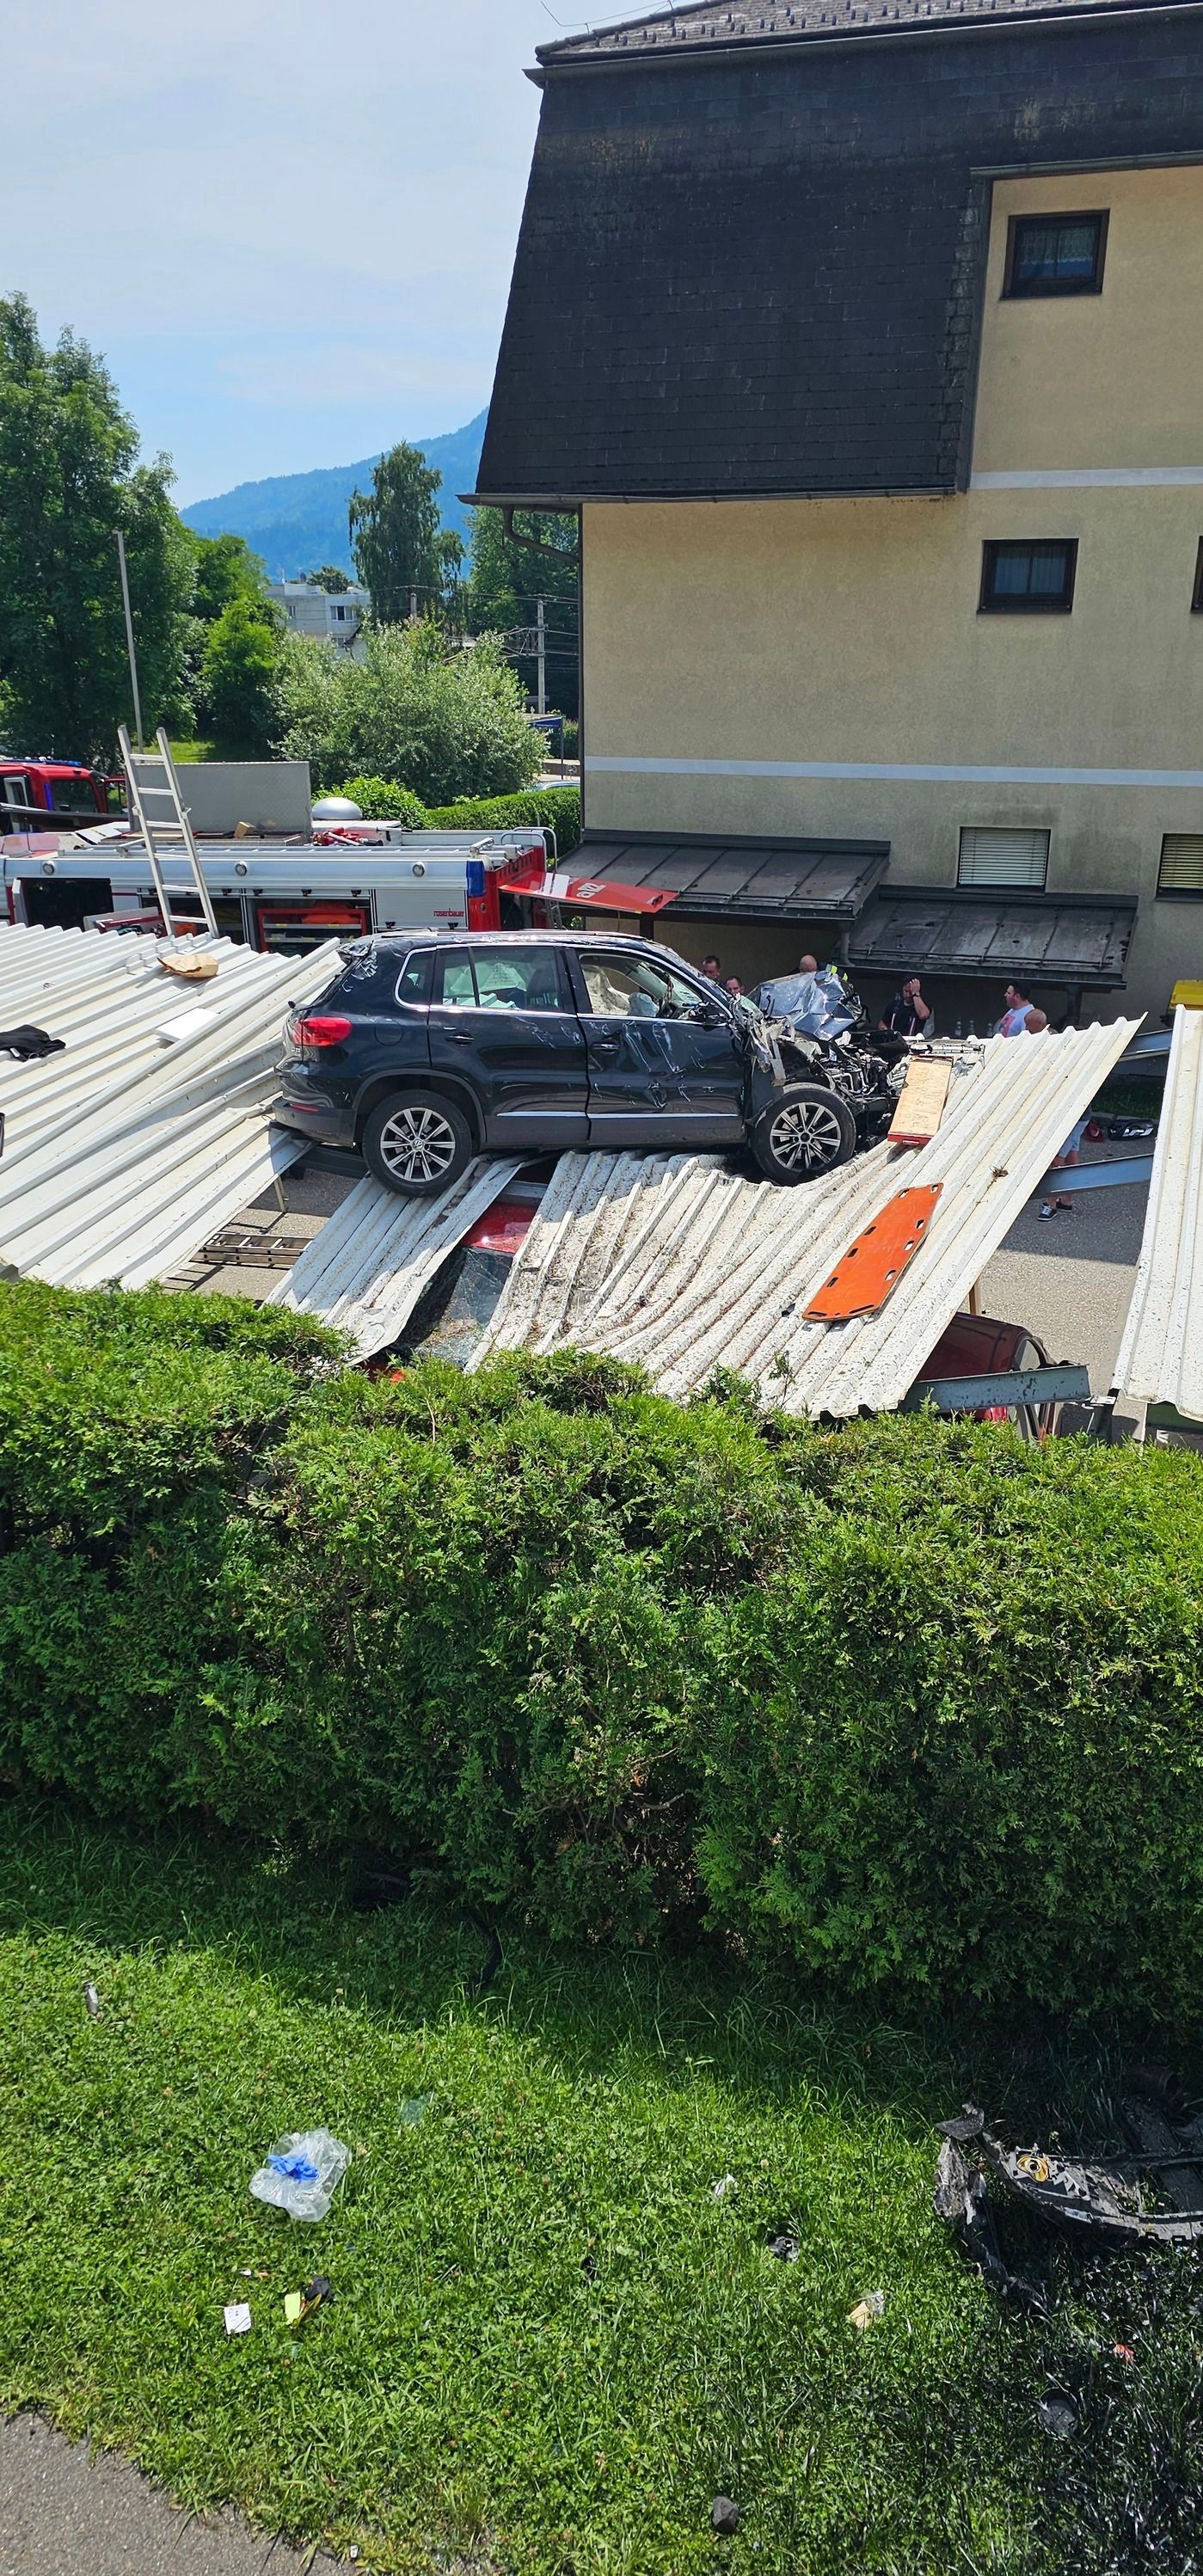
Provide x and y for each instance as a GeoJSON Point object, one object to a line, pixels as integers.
{"type": "Point", "coordinates": [425, 1050]}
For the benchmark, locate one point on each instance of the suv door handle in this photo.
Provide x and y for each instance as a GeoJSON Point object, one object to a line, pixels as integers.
{"type": "Point", "coordinates": [606, 1046]}
{"type": "Point", "coordinates": [462, 1037]}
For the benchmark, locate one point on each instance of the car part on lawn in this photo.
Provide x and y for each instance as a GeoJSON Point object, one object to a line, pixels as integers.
{"type": "Point", "coordinates": [867, 2310]}
{"type": "Point", "coordinates": [783, 2246]}
{"type": "Point", "coordinates": [1057, 2413]}
{"type": "Point", "coordinates": [962, 2199]}
{"type": "Point", "coordinates": [724, 2516]}
{"type": "Point", "coordinates": [302, 2173]}
{"type": "Point", "coordinates": [1109, 2198]}
{"type": "Point", "coordinates": [874, 1262]}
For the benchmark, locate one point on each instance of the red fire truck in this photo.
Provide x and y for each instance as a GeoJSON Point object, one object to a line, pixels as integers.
{"type": "Point", "coordinates": [31, 791]}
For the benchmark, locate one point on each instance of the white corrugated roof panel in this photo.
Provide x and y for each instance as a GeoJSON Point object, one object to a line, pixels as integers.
{"type": "Point", "coordinates": [368, 1267]}
{"type": "Point", "coordinates": [124, 1150]}
{"type": "Point", "coordinates": [685, 1265]}
{"type": "Point", "coordinates": [1161, 1354]}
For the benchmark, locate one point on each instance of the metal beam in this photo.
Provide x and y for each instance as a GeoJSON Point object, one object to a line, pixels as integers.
{"type": "Point", "coordinates": [1065, 1383]}
{"type": "Point", "coordinates": [1064, 1180]}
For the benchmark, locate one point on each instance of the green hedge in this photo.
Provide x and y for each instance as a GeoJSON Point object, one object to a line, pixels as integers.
{"type": "Point", "coordinates": [558, 806]}
{"type": "Point", "coordinates": [911, 1702]}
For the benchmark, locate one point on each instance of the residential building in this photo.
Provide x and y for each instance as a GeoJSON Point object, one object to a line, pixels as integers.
{"type": "Point", "coordinates": [877, 383]}
{"type": "Point", "coordinates": [335, 617]}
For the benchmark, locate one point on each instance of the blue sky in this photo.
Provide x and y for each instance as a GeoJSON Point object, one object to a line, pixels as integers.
{"type": "Point", "coordinates": [287, 224]}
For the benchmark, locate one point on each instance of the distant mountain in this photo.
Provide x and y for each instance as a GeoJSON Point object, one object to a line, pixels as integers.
{"type": "Point", "coordinates": [297, 521]}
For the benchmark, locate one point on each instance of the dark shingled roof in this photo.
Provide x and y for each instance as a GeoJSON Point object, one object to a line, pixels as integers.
{"type": "Point", "coordinates": [702, 27]}
{"type": "Point", "coordinates": [758, 269]}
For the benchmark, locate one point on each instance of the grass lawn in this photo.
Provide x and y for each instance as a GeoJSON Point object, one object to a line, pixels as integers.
{"type": "Point", "coordinates": [551, 2345]}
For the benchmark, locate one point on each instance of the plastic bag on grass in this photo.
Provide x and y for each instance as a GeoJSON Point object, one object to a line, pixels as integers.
{"type": "Point", "coordinates": [302, 2173]}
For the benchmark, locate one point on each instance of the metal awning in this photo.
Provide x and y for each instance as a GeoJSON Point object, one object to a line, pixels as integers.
{"type": "Point", "coordinates": [1052, 938]}
{"type": "Point", "coordinates": [1161, 1355]}
{"type": "Point", "coordinates": [744, 880]}
{"type": "Point", "coordinates": [684, 1264]}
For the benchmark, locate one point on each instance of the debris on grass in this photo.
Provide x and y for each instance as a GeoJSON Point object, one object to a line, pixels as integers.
{"type": "Point", "coordinates": [1057, 2413]}
{"type": "Point", "coordinates": [724, 2516]}
{"type": "Point", "coordinates": [722, 2189]}
{"type": "Point", "coordinates": [783, 2246]}
{"type": "Point", "coordinates": [867, 2310]}
{"type": "Point", "coordinates": [294, 2307]}
{"type": "Point", "coordinates": [411, 2112]}
{"type": "Point", "coordinates": [302, 2173]}
{"type": "Point", "coordinates": [92, 2001]}
{"type": "Point", "coordinates": [237, 2317]}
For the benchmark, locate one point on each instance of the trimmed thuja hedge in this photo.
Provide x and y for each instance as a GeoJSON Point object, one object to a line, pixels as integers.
{"type": "Point", "coordinates": [910, 1702]}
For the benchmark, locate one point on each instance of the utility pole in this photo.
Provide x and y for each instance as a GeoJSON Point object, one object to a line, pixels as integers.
{"type": "Point", "coordinates": [542, 647]}
{"type": "Point", "coordinates": [413, 608]}
{"type": "Point", "coordinates": [129, 636]}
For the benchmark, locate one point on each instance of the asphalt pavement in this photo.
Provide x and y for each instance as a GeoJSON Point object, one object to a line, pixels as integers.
{"type": "Point", "coordinates": [1070, 1278]}
{"type": "Point", "coordinates": [66, 2512]}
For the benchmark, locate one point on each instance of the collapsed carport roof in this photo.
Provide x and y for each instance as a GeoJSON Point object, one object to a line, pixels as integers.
{"type": "Point", "coordinates": [771, 879]}
{"type": "Point", "coordinates": [1076, 940]}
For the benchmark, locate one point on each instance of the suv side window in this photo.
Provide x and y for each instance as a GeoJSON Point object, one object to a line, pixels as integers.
{"type": "Point", "coordinates": [413, 982]}
{"type": "Point", "coordinates": [518, 979]}
{"type": "Point", "coordinates": [631, 988]}
{"type": "Point", "coordinates": [453, 985]}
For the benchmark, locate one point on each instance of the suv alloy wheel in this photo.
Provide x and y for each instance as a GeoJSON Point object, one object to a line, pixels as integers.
{"type": "Point", "coordinates": [805, 1130]}
{"type": "Point", "coordinates": [417, 1143]}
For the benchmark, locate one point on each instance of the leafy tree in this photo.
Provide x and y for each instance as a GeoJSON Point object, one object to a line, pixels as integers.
{"type": "Point", "coordinates": [397, 541]}
{"type": "Point", "coordinates": [438, 720]}
{"type": "Point", "coordinates": [238, 676]}
{"type": "Point", "coordinates": [69, 478]}
{"type": "Point", "coordinates": [384, 801]}
{"type": "Point", "coordinates": [328, 577]}
{"type": "Point", "coordinates": [226, 569]}
{"type": "Point", "coordinates": [507, 580]}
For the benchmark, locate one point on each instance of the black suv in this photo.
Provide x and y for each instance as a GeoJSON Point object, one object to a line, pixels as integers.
{"type": "Point", "coordinates": [424, 1051]}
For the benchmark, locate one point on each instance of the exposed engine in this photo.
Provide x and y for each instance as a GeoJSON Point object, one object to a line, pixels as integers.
{"type": "Point", "coordinates": [818, 1028]}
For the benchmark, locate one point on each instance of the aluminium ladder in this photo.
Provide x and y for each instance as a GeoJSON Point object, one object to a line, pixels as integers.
{"type": "Point", "coordinates": [166, 832]}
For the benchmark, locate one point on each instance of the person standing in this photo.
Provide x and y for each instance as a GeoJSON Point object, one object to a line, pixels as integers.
{"type": "Point", "coordinates": [909, 1014]}
{"type": "Point", "coordinates": [712, 970]}
{"type": "Point", "coordinates": [1016, 1006]}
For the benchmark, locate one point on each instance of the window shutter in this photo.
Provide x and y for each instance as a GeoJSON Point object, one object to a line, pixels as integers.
{"type": "Point", "coordinates": [1181, 870]}
{"type": "Point", "coordinates": [1003, 858]}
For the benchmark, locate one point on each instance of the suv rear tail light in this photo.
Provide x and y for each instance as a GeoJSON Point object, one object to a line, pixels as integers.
{"type": "Point", "coordinates": [319, 1032]}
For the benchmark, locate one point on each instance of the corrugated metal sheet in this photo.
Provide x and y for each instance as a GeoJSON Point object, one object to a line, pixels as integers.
{"type": "Point", "coordinates": [686, 1266]}
{"type": "Point", "coordinates": [122, 1152]}
{"type": "Point", "coordinates": [368, 1267]}
{"type": "Point", "coordinates": [1161, 1354]}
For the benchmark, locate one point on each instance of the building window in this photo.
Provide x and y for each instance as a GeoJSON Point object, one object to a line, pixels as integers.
{"type": "Point", "coordinates": [1003, 858]}
{"type": "Point", "coordinates": [1181, 869]}
{"type": "Point", "coordinates": [341, 615]}
{"type": "Point", "coordinates": [1197, 593]}
{"type": "Point", "coordinates": [1055, 255]}
{"type": "Point", "coordinates": [1028, 576]}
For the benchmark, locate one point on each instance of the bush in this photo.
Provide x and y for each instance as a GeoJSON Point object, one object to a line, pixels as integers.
{"type": "Point", "coordinates": [910, 1702]}
{"type": "Point", "coordinates": [382, 801]}
{"type": "Point", "coordinates": [438, 721]}
{"type": "Point", "coordinates": [558, 806]}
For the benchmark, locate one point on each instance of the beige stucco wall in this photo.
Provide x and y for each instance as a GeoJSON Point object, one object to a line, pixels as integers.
{"type": "Point", "coordinates": [1096, 380]}
{"type": "Point", "coordinates": [847, 631]}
